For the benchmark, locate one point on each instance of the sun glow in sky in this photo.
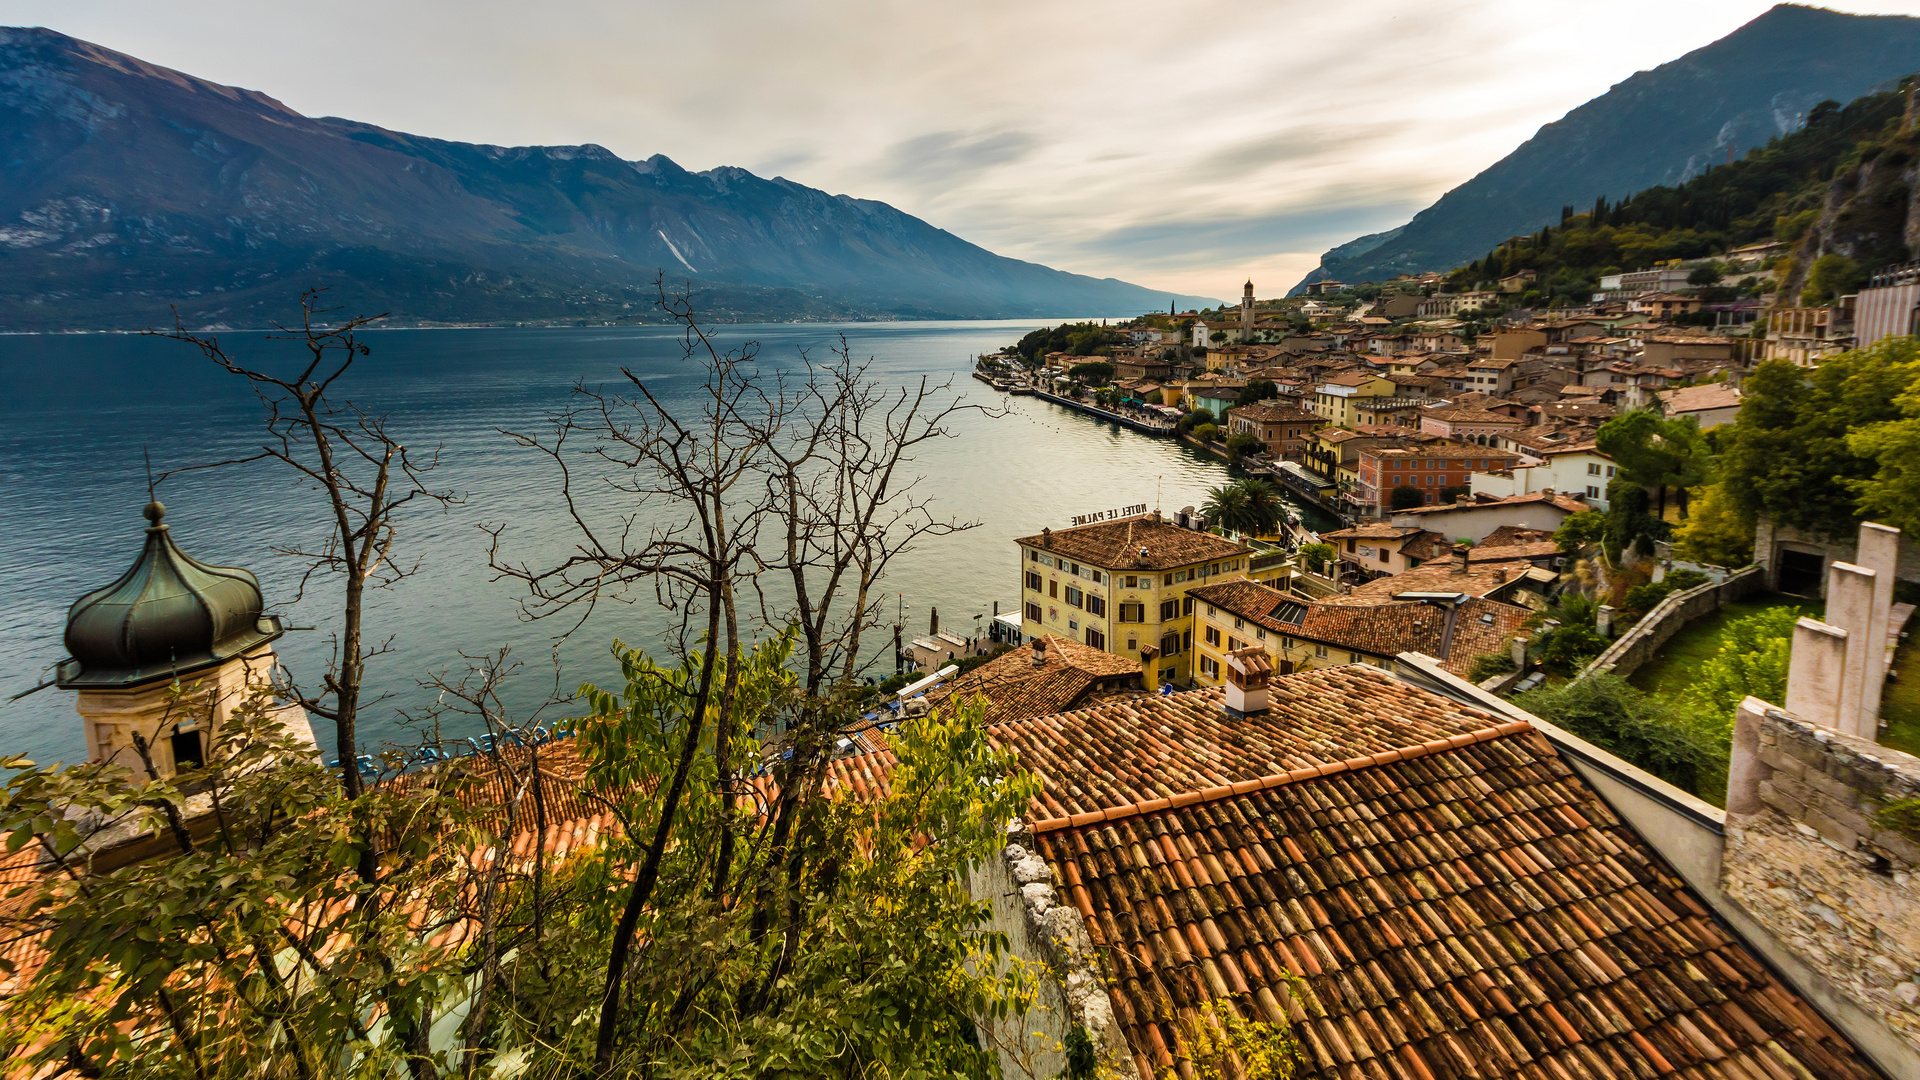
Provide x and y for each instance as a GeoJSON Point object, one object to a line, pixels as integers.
{"type": "Point", "coordinates": [1180, 145]}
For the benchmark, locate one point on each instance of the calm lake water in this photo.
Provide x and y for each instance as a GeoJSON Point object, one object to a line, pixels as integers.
{"type": "Point", "coordinates": [77, 411]}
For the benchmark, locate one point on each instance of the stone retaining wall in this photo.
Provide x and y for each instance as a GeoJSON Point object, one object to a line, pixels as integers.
{"type": "Point", "coordinates": [1656, 627]}
{"type": "Point", "coordinates": [1807, 859]}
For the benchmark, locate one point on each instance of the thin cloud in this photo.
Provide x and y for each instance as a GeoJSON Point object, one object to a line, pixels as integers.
{"type": "Point", "coordinates": [1168, 142]}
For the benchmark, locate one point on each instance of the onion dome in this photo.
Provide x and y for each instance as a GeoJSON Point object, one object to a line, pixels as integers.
{"type": "Point", "coordinates": [168, 615]}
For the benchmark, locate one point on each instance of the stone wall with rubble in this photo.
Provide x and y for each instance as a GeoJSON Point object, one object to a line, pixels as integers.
{"type": "Point", "coordinates": [1808, 858]}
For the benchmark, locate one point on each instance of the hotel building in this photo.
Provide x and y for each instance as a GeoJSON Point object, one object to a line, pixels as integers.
{"type": "Point", "coordinates": [1122, 586]}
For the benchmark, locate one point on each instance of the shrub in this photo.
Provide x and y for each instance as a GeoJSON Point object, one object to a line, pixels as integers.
{"type": "Point", "coordinates": [1570, 648]}
{"type": "Point", "coordinates": [1487, 665]}
{"type": "Point", "coordinates": [1206, 432]}
{"type": "Point", "coordinates": [1317, 556]}
{"type": "Point", "coordinates": [1614, 716]}
{"type": "Point", "coordinates": [1245, 445]}
{"type": "Point", "coordinates": [1405, 498]}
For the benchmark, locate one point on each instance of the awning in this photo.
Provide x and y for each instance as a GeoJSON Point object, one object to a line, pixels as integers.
{"type": "Point", "coordinates": [1008, 619]}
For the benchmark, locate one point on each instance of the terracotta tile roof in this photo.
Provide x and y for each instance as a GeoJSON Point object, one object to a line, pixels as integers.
{"type": "Point", "coordinates": [1377, 624]}
{"type": "Point", "coordinates": [1464, 415]}
{"type": "Point", "coordinates": [1428, 545]}
{"type": "Point", "coordinates": [1014, 688]}
{"type": "Point", "coordinates": [1116, 545]}
{"type": "Point", "coordinates": [1373, 530]}
{"type": "Point", "coordinates": [1466, 907]}
{"type": "Point", "coordinates": [1275, 413]}
{"type": "Point", "coordinates": [1491, 553]}
{"type": "Point", "coordinates": [1514, 534]}
{"type": "Point", "coordinates": [1565, 502]}
{"type": "Point", "coordinates": [1430, 577]}
{"type": "Point", "coordinates": [1699, 398]}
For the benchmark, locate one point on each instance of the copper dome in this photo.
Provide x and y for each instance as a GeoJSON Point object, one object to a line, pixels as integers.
{"type": "Point", "coordinates": [168, 615]}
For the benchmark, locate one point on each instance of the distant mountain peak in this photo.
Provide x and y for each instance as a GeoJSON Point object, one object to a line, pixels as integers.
{"type": "Point", "coordinates": [1658, 127]}
{"type": "Point", "coordinates": [131, 187]}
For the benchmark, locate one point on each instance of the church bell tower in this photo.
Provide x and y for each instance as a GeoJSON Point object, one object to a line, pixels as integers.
{"type": "Point", "coordinates": [169, 621]}
{"type": "Point", "coordinates": [1246, 313]}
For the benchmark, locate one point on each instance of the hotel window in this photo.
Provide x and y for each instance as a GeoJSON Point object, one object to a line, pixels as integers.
{"type": "Point", "coordinates": [1074, 596]}
{"type": "Point", "coordinates": [1167, 674]}
{"type": "Point", "coordinates": [1033, 612]}
{"type": "Point", "coordinates": [1209, 610]}
{"type": "Point", "coordinates": [1233, 643]}
{"type": "Point", "coordinates": [1033, 581]}
{"type": "Point", "coordinates": [1032, 555]}
{"type": "Point", "coordinates": [1186, 605]}
{"type": "Point", "coordinates": [1353, 658]}
{"type": "Point", "coordinates": [1096, 606]}
{"type": "Point", "coordinates": [1097, 578]}
{"type": "Point", "coordinates": [1213, 636]}
{"type": "Point", "coordinates": [1073, 624]}
{"type": "Point", "coordinates": [1286, 643]}
{"type": "Point", "coordinates": [1053, 589]}
{"type": "Point", "coordinates": [1209, 667]}
{"type": "Point", "coordinates": [1320, 651]}
{"type": "Point", "coordinates": [1260, 633]}
{"type": "Point", "coordinates": [1169, 609]}
{"type": "Point", "coordinates": [1096, 639]}
{"type": "Point", "coordinates": [1133, 613]}
{"type": "Point", "coordinates": [1169, 579]}
{"type": "Point", "coordinates": [1237, 624]}
{"type": "Point", "coordinates": [1169, 644]}
{"type": "Point", "coordinates": [1133, 644]}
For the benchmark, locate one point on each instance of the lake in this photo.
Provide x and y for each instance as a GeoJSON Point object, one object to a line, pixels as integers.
{"type": "Point", "coordinates": [77, 412]}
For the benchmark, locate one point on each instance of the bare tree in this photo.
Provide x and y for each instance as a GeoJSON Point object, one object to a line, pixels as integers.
{"type": "Point", "coordinates": [701, 466]}
{"type": "Point", "coordinates": [824, 454]}
{"type": "Point", "coordinates": [365, 474]}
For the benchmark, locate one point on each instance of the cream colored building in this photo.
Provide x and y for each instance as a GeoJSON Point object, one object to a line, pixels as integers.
{"type": "Point", "coordinates": [1121, 585]}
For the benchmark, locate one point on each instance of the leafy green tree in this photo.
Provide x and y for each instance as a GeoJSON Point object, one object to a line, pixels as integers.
{"type": "Point", "coordinates": [1789, 456]}
{"type": "Point", "coordinates": [1257, 390]}
{"type": "Point", "coordinates": [1581, 529]}
{"type": "Point", "coordinates": [1096, 372]}
{"type": "Point", "coordinates": [1318, 557]}
{"type": "Point", "coordinates": [1245, 445]}
{"type": "Point", "coordinates": [1405, 497]}
{"type": "Point", "coordinates": [1206, 432]}
{"type": "Point", "coordinates": [1891, 495]}
{"type": "Point", "coordinates": [1705, 274]}
{"type": "Point", "coordinates": [1194, 419]}
{"type": "Point", "coordinates": [1753, 659]}
{"type": "Point", "coordinates": [1655, 453]}
{"type": "Point", "coordinates": [1830, 277]}
{"type": "Point", "coordinates": [1716, 532]}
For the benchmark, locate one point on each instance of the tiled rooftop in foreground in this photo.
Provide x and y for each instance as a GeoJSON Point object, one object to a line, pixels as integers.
{"type": "Point", "coordinates": [1425, 891]}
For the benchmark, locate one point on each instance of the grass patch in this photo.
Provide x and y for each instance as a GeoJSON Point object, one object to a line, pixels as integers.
{"type": "Point", "coordinates": [1900, 701]}
{"type": "Point", "coordinates": [1674, 666]}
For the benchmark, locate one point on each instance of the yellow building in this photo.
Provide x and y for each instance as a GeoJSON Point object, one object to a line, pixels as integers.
{"type": "Point", "coordinates": [1122, 585]}
{"type": "Point", "coordinates": [1336, 398]}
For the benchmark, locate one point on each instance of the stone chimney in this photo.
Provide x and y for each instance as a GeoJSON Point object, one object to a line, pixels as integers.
{"type": "Point", "coordinates": [1039, 652]}
{"type": "Point", "coordinates": [1459, 558]}
{"type": "Point", "coordinates": [1046, 538]}
{"type": "Point", "coordinates": [1499, 576]}
{"type": "Point", "coordinates": [1155, 516]}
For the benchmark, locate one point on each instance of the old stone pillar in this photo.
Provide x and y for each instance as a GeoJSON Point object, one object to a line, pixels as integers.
{"type": "Point", "coordinates": [1816, 671]}
{"type": "Point", "coordinates": [1879, 552]}
{"type": "Point", "coordinates": [1603, 621]}
{"type": "Point", "coordinates": [1745, 770]}
{"type": "Point", "coordinates": [1850, 607]}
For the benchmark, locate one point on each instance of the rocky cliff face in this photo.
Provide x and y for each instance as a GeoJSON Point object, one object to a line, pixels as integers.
{"type": "Point", "coordinates": [1870, 215]}
{"type": "Point", "coordinates": [126, 188]}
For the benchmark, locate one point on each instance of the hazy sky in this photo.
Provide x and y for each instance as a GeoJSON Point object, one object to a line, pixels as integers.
{"type": "Point", "coordinates": [1179, 145]}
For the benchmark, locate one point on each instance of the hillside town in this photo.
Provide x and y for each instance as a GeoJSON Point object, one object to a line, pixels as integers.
{"type": "Point", "coordinates": [1530, 690]}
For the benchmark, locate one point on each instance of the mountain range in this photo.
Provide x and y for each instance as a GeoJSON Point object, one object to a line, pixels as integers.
{"type": "Point", "coordinates": [1659, 127]}
{"type": "Point", "coordinates": [127, 189]}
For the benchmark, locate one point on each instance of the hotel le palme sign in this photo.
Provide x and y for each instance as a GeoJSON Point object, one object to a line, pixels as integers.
{"type": "Point", "coordinates": [1109, 515]}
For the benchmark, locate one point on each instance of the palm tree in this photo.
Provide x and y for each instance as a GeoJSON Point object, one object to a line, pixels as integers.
{"type": "Point", "coordinates": [1252, 506]}
{"type": "Point", "coordinates": [1227, 507]}
{"type": "Point", "coordinates": [1265, 506]}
